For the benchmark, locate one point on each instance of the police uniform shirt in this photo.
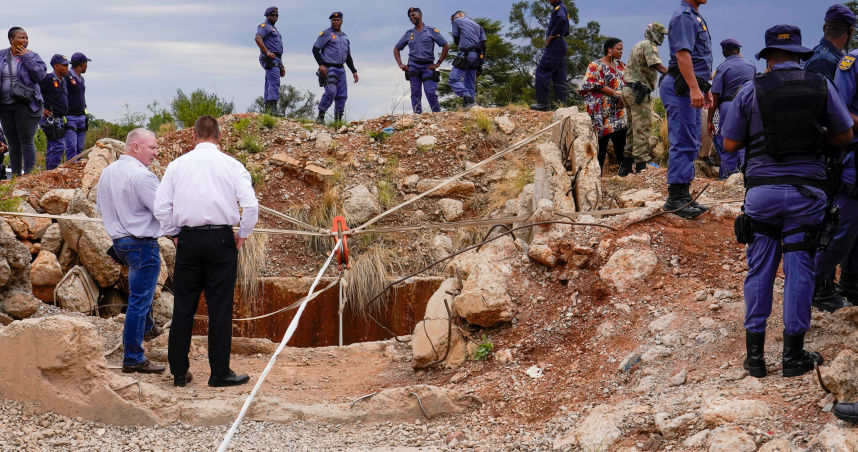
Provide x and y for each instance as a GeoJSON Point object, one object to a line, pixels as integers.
{"type": "Point", "coordinates": [744, 120]}
{"type": "Point", "coordinates": [824, 59]}
{"type": "Point", "coordinates": [468, 32]}
{"type": "Point", "coordinates": [77, 94]}
{"type": "Point", "coordinates": [846, 82]}
{"type": "Point", "coordinates": [334, 45]}
{"type": "Point", "coordinates": [421, 44]}
{"type": "Point", "coordinates": [688, 31]}
{"type": "Point", "coordinates": [55, 94]}
{"type": "Point", "coordinates": [731, 75]}
{"type": "Point", "coordinates": [270, 37]}
{"type": "Point", "coordinates": [643, 64]}
{"type": "Point", "coordinates": [558, 24]}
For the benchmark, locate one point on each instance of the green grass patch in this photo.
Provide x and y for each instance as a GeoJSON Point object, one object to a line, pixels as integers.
{"type": "Point", "coordinates": [250, 144]}
{"type": "Point", "coordinates": [379, 136]}
{"type": "Point", "coordinates": [8, 203]}
{"type": "Point", "coordinates": [267, 121]}
{"type": "Point", "coordinates": [241, 126]}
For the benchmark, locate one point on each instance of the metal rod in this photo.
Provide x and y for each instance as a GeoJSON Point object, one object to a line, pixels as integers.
{"type": "Point", "coordinates": [341, 312]}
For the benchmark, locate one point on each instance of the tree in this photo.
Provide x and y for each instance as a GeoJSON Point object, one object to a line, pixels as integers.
{"type": "Point", "coordinates": [186, 109]}
{"type": "Point", "coordinates": [292, 104]}
{"type": "Point", "coordinates": [853, 43]}
{"type": "Point", "coordinates": [528, 21]}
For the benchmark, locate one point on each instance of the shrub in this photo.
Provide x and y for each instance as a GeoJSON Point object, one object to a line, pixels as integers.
{"type": "Point", "coordinates": [268, 121]}
{"type": "Point", "coordinates": [241, 125]}
{"type": "Point", "coordinates": [250, 144]}
{"type": "Point", "coordinates": [186, 109]}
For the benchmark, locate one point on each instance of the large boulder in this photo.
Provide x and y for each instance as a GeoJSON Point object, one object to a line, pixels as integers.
{"type": "Point", "coordinates": [551, 181]}
{"type": "Point", "coordinates": [429, 341]}
{"type": "Point", "coordinates": [426, 143]}
{"type": "Point", "coordinates": [834, 438]}
{"type": "Point", "coordinates": [484, 299]}
{"type": "Point", "coordinates": [105, 152]}
{"type": "Point", "coordinates": [360, 205]}
{"type": "Point", "coordinates": [56, 201]}
{"type": "Point", "coordinates": [20, 305]}
{"type": "Point", "coordinates": [841, 375]}
{"type": "Point", "coordinates": [628, 268]}
{"type": "Point", "coordinates": [52, 241]}
{"type": "Point", "coordinates": [162, 308]}
{"type": "Point", "coordinates": [81, 204]}
{"type": "Point", "coordinates": [458, 188]}
{"type": "Point", "coordinates": [45, 273]}
{"type": "Point", "coordinates": [576, 139]}
{"type": "Point", "coordinates": [90, 240]}
{"type": "Point", "coordinates": [168, 253]}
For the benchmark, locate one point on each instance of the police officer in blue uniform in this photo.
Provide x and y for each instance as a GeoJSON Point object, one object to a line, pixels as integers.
{"type": "Point", "coordinates": [421, 70]}
{"type": "Point", "coordinates": [552, 66]}
{"type": "Point", "coordinates": [53, 122]}
{"type": "Point", "coordinates": [332, 50]}
{"type": "Point", "coordinates": [782, 120]}
{"type": "Point", "coordinates": [470, 37]}
{"type": "Point", "coordinates": [270, 44]}
{"type": "Point", "coordinates": [684, 91]}
{"type": "Point", "coordinates": [76, 121]}
{"type": "Point", "coordinates": [843, 245]}
{"type": "Point", "coordinates": [838, 29]}
{"type": "Point", "coordinates": [729, 77]}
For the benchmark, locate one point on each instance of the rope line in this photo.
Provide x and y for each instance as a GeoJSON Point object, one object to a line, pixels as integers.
{"type": "Point", "coordinates": [289, 332]}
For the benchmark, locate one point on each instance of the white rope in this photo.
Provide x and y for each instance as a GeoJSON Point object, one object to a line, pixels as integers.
{"type": "Point", "coordinates": [289, 332]}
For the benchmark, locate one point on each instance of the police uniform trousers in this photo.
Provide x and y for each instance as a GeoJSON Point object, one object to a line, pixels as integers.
{"type": "Point", "coordinates": [54, 151]}
{"type": "Point", "coordinates": [75, 135]}
{"type": "Point", "coordinates": [786, 207]}
{"type": "Point", "coordinates": [463, 82]}
{"type": "Point", "coordinates": [272, 78]}
{"type": "Point", "coordinates": [841, 248]}
{"type": "Point", "coordinates": [421, 77]}
{"type": "Point", "coordinates": [552, 69]}
{"type": "Point", "coordinates": [731, 162]}
{"type": "Point", "coordinates": [337, 88]}
{"type": "Point", "coordinates": [683, 124]}
{"type": "Point", "coordinates": [206, 262]}
{"type": "Point", "coordinates": [640, 126]}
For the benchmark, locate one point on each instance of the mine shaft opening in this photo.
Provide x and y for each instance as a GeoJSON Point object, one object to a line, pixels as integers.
{"type": "Point", "coordinates": [403, 308]}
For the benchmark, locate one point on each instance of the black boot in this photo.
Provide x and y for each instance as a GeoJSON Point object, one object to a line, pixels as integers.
{"type": "Point", "coordinates": [849, 287]}
{"type": "Point", "coordinates": [271, 107]}
{"type": "Point", "coordinates": [467, 102]}
{"type": "Point", "coordinates": [540, 107]}
{"type": "Point", "coordinates": [321, 118]}
{"type": "Point", "coordinates": [755, 362]}
{"type": "Point", "coordinates": [676, 199]}
{"type": "Point", "coordinates": [846, 412]}
{"type": "Point", "coordinates": [826, 298]}
{"type": "Point", "coordinates": [625, 167]}
{"type": "Point", "coordinates": [640, 167]}
{"type": "Point", "coordinates": [2, 170]}
{"type": "Point", "coordinates": [338, 116]}
{"type": "Point", "coordinates": [796, 360]}
{"type": "Point", "coordinates": [686, 197]}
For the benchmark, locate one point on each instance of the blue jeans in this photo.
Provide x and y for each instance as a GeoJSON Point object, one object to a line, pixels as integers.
{"type": "Point", "coordinates": [780, 205]}
{"type": "Point", "coordinates": [683, 123]}
{"type": "Point", "coordinates": [143, 258]}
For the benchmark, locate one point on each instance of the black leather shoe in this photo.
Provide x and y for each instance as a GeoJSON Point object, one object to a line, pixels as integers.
{"type": "Point", "coordinates": [846, 412]}
{"type": "Point", "coordinates": [146, 367]}
{"type": "Point", "coordinates": [640, 167]}
{"type": "Point", "coordinates": [230, 379]}
{"type": "Point", "coordinates": [755, 362]}
{"type": "Point", "coordinates": [796, 360]}
{"type": "Point", "coordinates": [152, 333]}
{"type": "Point", "coordinates": [540, 107]}
{"type": "Point", "coordinates": [826, 298]}
{"type": "Point", "coordinates": [321, 118]}
{"type": "Point", "coordinates": [625, 167]}
{"type": "Point", "coordinates": [182, 380]}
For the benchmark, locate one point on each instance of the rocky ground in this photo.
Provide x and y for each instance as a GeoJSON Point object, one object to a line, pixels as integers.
{"type": "Point", "coordinates": [622, 334]}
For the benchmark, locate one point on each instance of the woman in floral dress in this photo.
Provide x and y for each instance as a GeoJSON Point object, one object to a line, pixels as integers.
{"type": "Point", "coordinates": [602, 87]}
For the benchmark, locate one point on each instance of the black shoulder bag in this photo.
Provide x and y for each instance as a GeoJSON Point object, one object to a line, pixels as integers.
{"type": "Point", "coordinates": [21, 93]}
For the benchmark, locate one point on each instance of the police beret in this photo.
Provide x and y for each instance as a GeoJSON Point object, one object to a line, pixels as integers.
{"type": "Point", "coordinates": [336, 15]}
{"type": "Point", "coordinates": [414, 9]}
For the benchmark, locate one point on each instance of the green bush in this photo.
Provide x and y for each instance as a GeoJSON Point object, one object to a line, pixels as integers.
{"type": "Point", "coordinates": [8, 203]}
{"type": "Point", "coordinates": [241, 126]}
{"type": "Point", "coordinates": [186, 109]}
{"type": "Point", "coordinates": [484, 349]}
{"type": "Point", "coordinates": [267, 121]}
{"type": "Point", "coordinates": [378, 136]}
{"type": "Point", "coordinates": [159, 117]}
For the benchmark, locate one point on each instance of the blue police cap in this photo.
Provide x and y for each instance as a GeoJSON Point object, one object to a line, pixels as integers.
{"type": "Point", "coordinates": [78, 58]}
{"type": "Point", "coordinates": [59, 59]}
{"type": "Point", "coordinates": [730, 43]}
{"type": "Point", "coordinates": [787, 38]}
{"type": "Point", "coordinates": [336, 15]}
{"type": "Point", "coordinates": [840, 13]}
{"type": "Point", "coordinates": [270, 10]}
{"type": "Point", "coordinates": [414, 9]}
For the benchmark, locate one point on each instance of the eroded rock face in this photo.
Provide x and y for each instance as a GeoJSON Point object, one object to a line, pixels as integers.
{"type": "Point", "coordinates": [429, 341]}
{"type": "Point", "coordinates": [627, 268]}
{"type": "Point", "coordinates": [576, 135]}
{"type": "Point", "coordinates": [56, 201]}
{"type": "Point", "coordinates": [484, 299]}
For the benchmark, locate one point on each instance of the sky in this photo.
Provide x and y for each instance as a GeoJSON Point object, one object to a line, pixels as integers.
{"type": "Point", "coordinates": [144, 51]}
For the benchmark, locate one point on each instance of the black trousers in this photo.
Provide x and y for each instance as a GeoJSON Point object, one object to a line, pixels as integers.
{"type": "Point", "coordinates": [619, 139]}
{"type": "Point", "coordinates": [19, 124]}
{"type": "Point", "coordinates": [205, 261]}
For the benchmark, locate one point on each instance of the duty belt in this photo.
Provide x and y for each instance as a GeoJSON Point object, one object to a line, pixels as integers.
{"type": "Point", "coordinates": [420, 62]}
{"type": "Point", "coordinates": [332, 65]}
{"type": "Point", "coordinates": [207, 227]}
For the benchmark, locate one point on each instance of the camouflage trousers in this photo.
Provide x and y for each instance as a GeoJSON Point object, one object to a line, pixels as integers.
{"type": "Point", "coordinates": [640, 126]}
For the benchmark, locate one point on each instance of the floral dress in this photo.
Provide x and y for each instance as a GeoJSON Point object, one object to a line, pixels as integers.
{"type": "Point", "coordinates": [605, 111]}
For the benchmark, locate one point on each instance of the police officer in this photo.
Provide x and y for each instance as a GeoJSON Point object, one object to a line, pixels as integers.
{"type": "Point", "coordinates": [842, 249]}
{"type": "Point", "coordinates": [684, 91]}
{"type": "Point", "coordinates": [470, 37]}
{"type": "Point", "coordinates": [552, 66]}
{"type": "Point", "coordinates": [332, 50]}
{"type": "Point", "coordinates": [270, 44]}
{"type": "Point", "coordinates": [782, 119]}
{"type": "Point", "coordinates": [838, 29]}
{"type": "Point", "coordinates": [76, 121]}
{"type": "Point", "coordinates": [421, 71]}
{"type": "Point", "coordinates": [640, 77]}
{"type": "Point", "coordinates": [729, 77]}
{"type": "Point", "coordinates": [53, 122]}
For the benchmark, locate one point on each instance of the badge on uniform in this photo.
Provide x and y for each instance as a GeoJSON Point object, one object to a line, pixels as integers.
{"type": "Point", "coordinates": [261, 25]}
{"type": "Point", "coordinates": [320, 34]}
{"type": "Point", "coordinates": [436, 30]}
{"type": "Point", "coordinates": [74, 82]}
{"type": "Point", "coordinates": [333, 36]}
{"type": "Point", "coordinates": [846, 62]}
{"type": "Point", "coordinates": [412, 36]}
{"type": "Point", "coordinates": [56, 84]}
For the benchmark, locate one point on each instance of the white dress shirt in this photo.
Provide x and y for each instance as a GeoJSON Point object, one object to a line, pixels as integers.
{"type": "Point", "coordinates": [126, 195]}
{"type": "Point", "coordinates": [206, 187]}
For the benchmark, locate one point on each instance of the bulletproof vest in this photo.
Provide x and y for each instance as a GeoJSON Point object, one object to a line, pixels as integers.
{"type": "Point", "coordinates": [793, 105]}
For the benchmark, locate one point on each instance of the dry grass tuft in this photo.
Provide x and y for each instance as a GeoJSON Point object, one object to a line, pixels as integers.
{"type": "Point", "coordinates": [251, 263]}
{"type": "Point", "coordinates": [366, 278]}
{"type": "Point", "coordinates": [511, 187]}
{"type": "Point", "coordinates": [322, 216]}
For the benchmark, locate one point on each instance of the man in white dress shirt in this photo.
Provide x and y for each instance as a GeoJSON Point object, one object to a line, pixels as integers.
{"type": "Point", "coordinates": [126, 192]}
{"type": "Point", "coordinates": [197, 201]}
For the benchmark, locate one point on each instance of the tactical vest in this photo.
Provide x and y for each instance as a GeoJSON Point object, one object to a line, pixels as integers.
{"type": "Point", "coordinates": [793, 106]}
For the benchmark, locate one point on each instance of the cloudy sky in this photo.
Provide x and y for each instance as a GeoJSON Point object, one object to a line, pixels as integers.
{"type": "Point", "coordinates": [144, 51]}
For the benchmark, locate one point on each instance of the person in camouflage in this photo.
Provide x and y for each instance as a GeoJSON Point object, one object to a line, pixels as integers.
{"type": "Point", "coordinates": [641, 76]}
